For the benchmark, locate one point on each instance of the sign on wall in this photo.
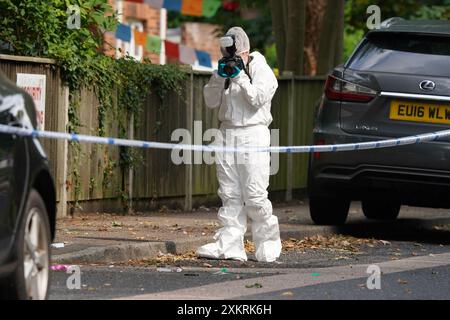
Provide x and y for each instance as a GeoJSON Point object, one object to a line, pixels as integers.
{"type": "Point", "coordinates": [34, 84]}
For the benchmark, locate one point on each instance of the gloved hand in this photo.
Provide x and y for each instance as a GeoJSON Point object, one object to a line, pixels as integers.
{"type": "Point", "coordinates": [230, 67]}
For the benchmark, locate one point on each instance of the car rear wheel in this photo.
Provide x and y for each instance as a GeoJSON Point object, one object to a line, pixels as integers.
{"type": "Point", "coordinates": [381, 208]}
{"type": "Point", "coordinates": [30, 280]}
{"type": "Point", "coordinates": [329, 210]}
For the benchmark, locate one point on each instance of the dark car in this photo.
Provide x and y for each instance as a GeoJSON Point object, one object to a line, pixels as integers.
{"type": "Point", "coordinates": [27, 202]}
{"type": "Point", "coordinates": [395, 84]}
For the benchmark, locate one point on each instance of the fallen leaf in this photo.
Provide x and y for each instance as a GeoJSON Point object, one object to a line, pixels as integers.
{"type": "Point", "coordinates": [249, 246]}
{"type": "Point", "coordinates": [287, 294]}
{"type": "Point", "coordinates": [116, 224]}
{"type": "Point", "coordinates": [255, 285]}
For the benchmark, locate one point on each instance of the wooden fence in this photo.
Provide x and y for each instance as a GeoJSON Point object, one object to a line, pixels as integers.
{"type": "Point", "coordinates": [157, 179]}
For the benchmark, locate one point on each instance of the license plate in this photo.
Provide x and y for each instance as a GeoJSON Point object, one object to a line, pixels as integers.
{"type": "Point", "coordinates": [420, 112]}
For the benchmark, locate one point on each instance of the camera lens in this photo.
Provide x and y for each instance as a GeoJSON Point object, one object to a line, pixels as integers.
{"type": "Point", "coordinates": [228, 69]}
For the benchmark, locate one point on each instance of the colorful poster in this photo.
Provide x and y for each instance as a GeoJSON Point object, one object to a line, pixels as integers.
{"type": "Point", "coordinates": [123, 32]}
{"type": "Point", "coordinates": [153, 44]}
{"type": "Point", "coordinates": [204, 58]}
{"type": "Point", "coordinates": [192, 8]}
{"type": "Point", "coordinates": [172, 5]}
{"type": "Point", "coordinates": [34, 84]}
{"type": "Point", "coordinates": [187, 55]}
{"type": "Point", "coordinates": [210, 7]}
{"type": "Point", "coordinates": [172, 50]}
{"type": "Point", "coordinates": [157, 4]}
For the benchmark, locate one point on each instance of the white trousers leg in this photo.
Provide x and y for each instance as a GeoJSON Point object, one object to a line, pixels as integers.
{"type": "Point", "coordinates": [243, 180]}
{"type": "Point", "coordinates": [229, 238]}
{"type": "Point", "coordinates": [254, 175]}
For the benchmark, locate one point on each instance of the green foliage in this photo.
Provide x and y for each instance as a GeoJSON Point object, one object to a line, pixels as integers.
{"type": "Point", "coordinates": [134, 83]}
{"type": "Point", "coordinates": [75, 149]}
{"type": "Point", "coordinates": [108, 172]}
{"type": "Point", "coordinates": [355, 10]}
{"type": "Point", "coordinates": [356, 17]}
{"type": "Point", "coordinates": [271, 54]}
{"type": "Point", "coordinates": [352, 37]}
{"type": "Point", "coordinates": [39, 28]}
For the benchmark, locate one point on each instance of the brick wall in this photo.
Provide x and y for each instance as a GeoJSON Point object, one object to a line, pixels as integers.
{"type": "Point", "coordinates": [150, 19]}
{"type": "Point", "coordinates": [202, 36]}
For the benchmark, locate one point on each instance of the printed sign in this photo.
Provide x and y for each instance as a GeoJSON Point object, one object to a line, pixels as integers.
{"type": "Point", "coordinates": [34, 84]}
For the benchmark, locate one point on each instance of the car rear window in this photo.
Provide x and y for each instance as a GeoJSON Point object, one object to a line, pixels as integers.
{"type": "Point", "coordinates": [403, 53]}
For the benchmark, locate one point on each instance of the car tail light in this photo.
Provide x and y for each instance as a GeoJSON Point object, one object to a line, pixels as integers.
{"type": "Point", "coordinates": [341, 90]}
{"type": "Point", "coordinates": [319, 142]}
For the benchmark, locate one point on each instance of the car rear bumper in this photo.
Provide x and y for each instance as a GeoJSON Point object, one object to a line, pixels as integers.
{"type": "Point", "coordinates": [419, 174]}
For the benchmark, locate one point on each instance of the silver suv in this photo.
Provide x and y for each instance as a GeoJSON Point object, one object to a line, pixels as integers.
{"type": "Point", "coordinates": [395, 84]}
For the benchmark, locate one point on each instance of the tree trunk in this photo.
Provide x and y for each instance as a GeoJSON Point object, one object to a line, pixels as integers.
{"type": "Point", "coordinates": [278, 23]}
{"type": "Point", "coordinates": [339, 46]}
{"type": "Point", "coordinates": [315, 47]}
{"type": "Point", "coordinates": [295, 36]}
{"type": "Point", "coordinates": [330, 46]}
{"type": "Point", "coordinates": [315, 10]}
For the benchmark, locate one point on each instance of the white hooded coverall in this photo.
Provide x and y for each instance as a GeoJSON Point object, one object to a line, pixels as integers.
{"type": "Point", "coordinates": [244, 178]}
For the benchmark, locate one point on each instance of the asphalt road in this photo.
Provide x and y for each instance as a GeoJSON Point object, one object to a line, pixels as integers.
{"type": "Point", "coordinates": [412, 256]}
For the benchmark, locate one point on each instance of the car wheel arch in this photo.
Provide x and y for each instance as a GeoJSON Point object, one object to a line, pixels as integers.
{"type": "Point", "coordinates": [43, 184]}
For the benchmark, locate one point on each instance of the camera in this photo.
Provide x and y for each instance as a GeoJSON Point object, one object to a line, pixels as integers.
{"type": "Point", "coordinates": [230, 66]}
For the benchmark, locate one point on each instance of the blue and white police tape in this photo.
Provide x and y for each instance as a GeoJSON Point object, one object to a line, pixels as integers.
{"type": "Point", "coordinates": [214, 148]}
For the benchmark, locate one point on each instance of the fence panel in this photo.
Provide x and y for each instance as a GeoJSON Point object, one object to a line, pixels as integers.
{"type": "Point", "coordinates": [97, 167]}
{"type": "Point", "coordinates": [11, 66]}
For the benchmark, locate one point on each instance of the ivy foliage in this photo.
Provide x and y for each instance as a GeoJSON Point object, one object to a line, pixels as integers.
{"type": "Point", "coordinates": [356, 16]}
{"type": "Point", "coordinates": [39, 28]}
{"type": "Point", "coordinates": [134, 82]}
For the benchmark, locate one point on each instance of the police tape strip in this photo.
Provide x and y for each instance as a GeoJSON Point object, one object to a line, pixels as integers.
{"type": "Point", "coordinates": [210, 148]}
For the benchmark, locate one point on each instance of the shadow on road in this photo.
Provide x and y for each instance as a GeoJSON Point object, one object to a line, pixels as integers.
{"type": "Point", "coordinates": [435, 231]}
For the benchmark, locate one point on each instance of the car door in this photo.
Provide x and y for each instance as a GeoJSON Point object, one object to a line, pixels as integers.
{"type": "Point", "coordinates": [13, 164]}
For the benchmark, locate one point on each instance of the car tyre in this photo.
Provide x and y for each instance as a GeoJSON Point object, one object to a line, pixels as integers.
{"type": "Point", "coordinates": [329, 210]}
{"type": "Point", "coordinates": [381, 208]}
{"type": "Point", "coordinates": [30, 279]}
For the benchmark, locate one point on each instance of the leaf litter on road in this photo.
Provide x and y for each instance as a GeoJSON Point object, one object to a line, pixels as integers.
{"type": "Point", "coordinates": [336, 243]}
{"type": "Point", "coordinates": [255, 286]}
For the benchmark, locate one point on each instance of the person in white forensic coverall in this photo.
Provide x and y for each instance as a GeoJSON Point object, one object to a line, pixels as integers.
{"type": "Point", "coordinates": [245, 116]}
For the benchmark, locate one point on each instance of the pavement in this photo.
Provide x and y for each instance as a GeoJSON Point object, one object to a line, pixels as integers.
{"type": "Point", "coordinates": [319, 267]}
{"type": "Point", "coordinates": [99, 238]}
